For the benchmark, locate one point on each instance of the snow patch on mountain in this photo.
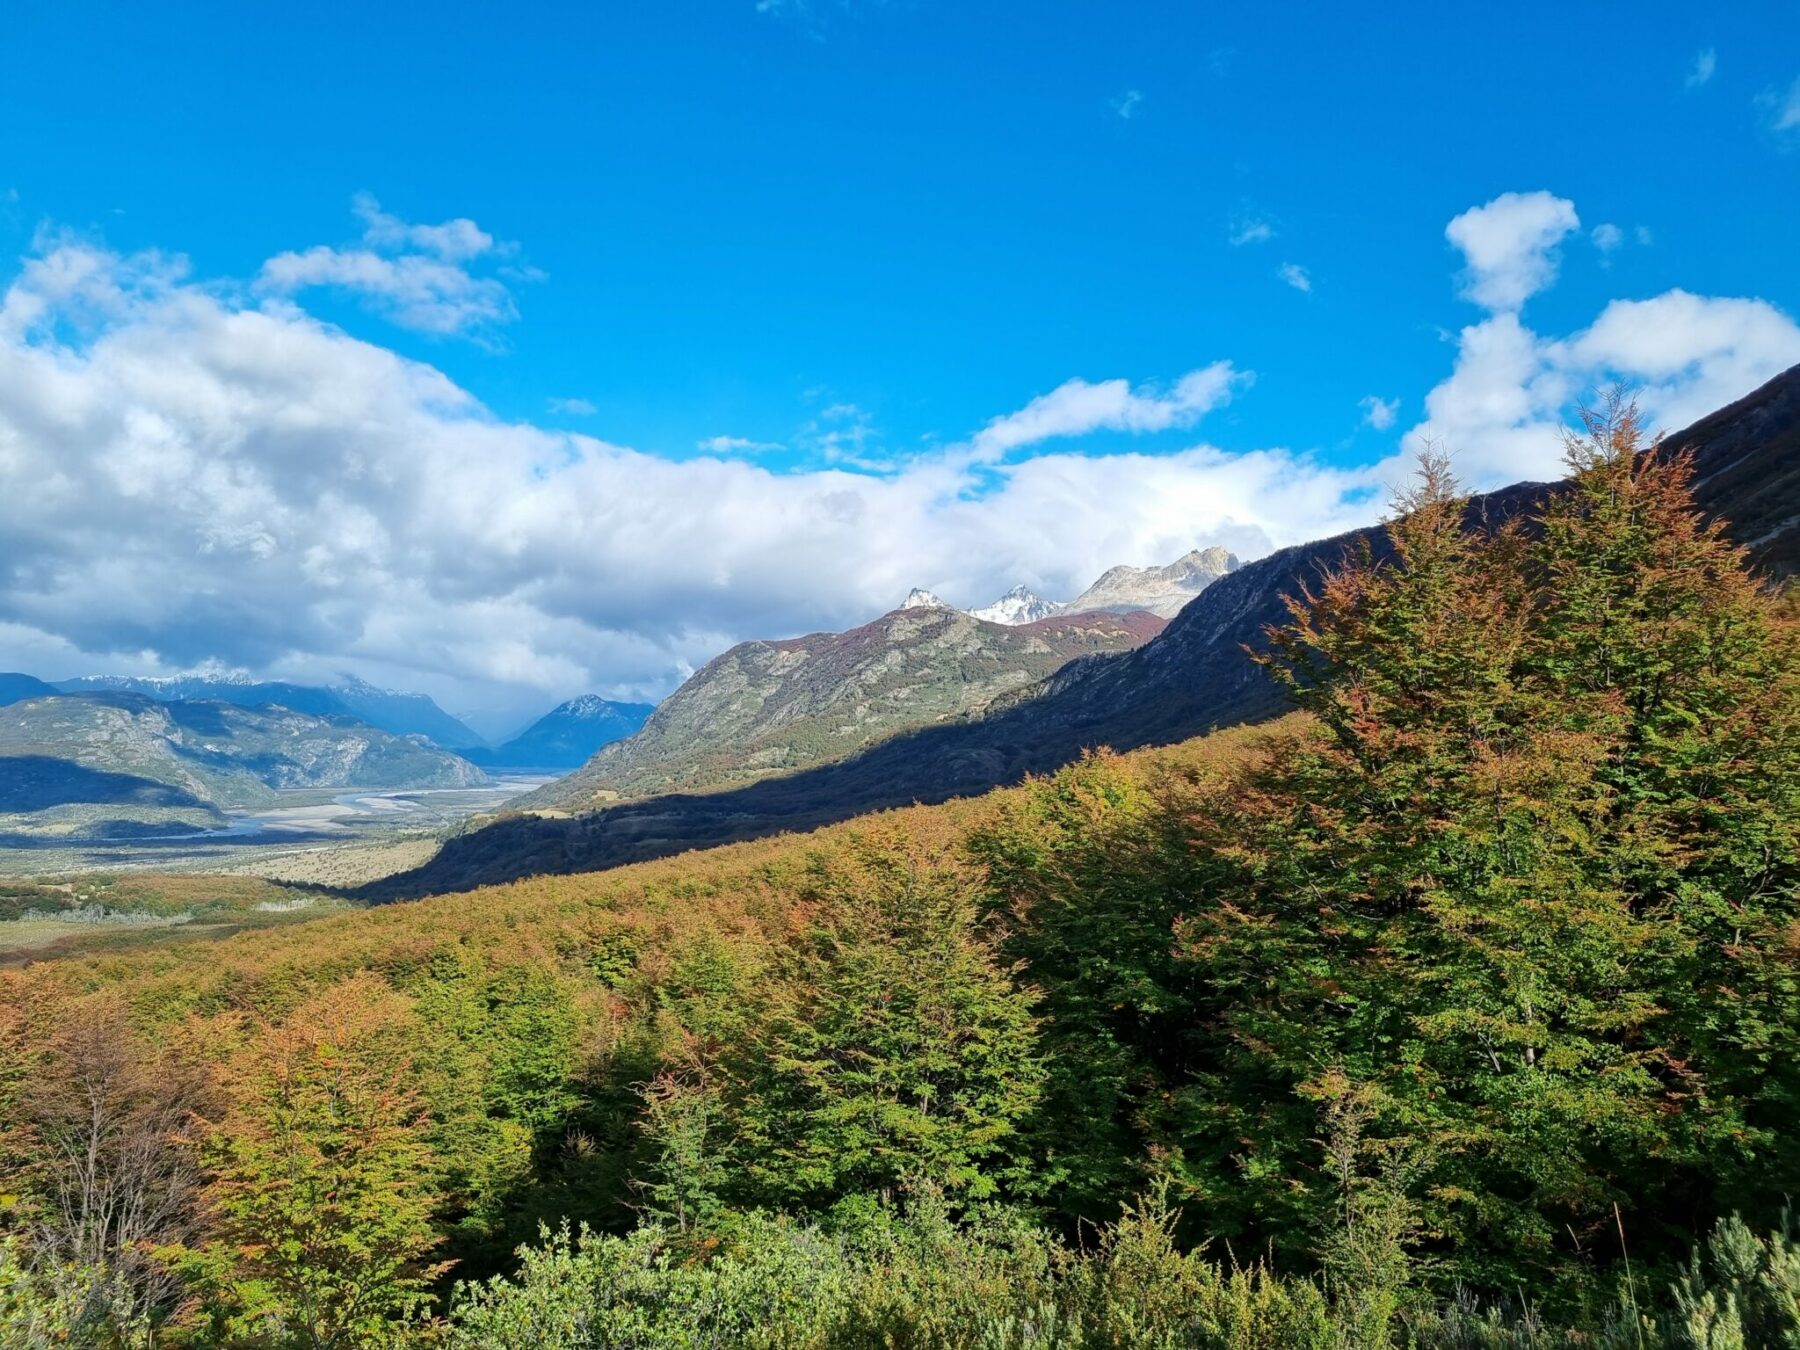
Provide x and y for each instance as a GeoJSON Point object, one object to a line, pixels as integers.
{"type": "Point", "coordinates": [922, 599]}
{"type": "Point", "coordinates": [1017, 606]}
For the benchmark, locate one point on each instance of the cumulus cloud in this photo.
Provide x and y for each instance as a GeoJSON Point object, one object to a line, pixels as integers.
{"type": "Point", "coordinates": [1379, 412]}
{"type": "Point", "coordinates": [417, 276]}
{"type": "Point", "coordinates": [1607, 237]}
{"type": "Point", "coordinates": [1296, 276]}
{"type": "Point", "coordinates": [1509, 246]}
{"type": "Point", "coordinates": [1502, 410]}
{"type": "Point", "coordinates": [199, 480]}
{"type": "Point", "coordinates": [1077, 408]}
{"type": "Point", "coordinates": [574, 407]}
{"type": "Point", "coordinates": [1126, 104]}
{"type": "Point", "coordinates": [1706, 62]}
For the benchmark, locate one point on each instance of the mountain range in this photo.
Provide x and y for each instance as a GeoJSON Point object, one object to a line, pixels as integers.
{"type": "Point", "coordinates": [765, 708]}
{"type": "Point", "coordinates": [390, 710]}
{"type": "Point", "coordinates": [1192, 677]}
{"type": "Point", "coordinates": [122, 758]}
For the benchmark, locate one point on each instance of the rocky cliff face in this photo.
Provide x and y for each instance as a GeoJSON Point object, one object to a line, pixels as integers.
{"type": "Point", "coordinates": [763, 708]}
{"type": "Point", "coordinates": [1160, 590]}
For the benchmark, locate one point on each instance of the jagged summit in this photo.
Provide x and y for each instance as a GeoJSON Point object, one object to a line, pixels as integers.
{"type": "Point", "coordinates": [1161, 590]}
{"type": "Point", "coordinates": [1017, 606]}
{"type": "Point", "coordinates": [917, 598]}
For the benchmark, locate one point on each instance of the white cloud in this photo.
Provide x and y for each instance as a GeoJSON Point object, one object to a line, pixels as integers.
{"type": "Point", "coordinates": [736, 445]}
{"type": "Point", "coordinates": [1510, 246]}
{"type": "Point", "coordinates": [1784, 108]}
{"type": "Point", "coordinates": [573, 407]}
{"type": "Point", "coordinates": [1077, 407]}
{"type": "Point", "coordinates": [1126, 104]}
{"type": "Point", "coordinates": [1250, 228]}
{"type": "Point", "coordinates": [1380, 412]}
{"type": "Point", "coordinates": [200, 480]}
{"type": "Point", "coordinates": [1296, 276]}
{"type": "Point", "coordinates": [1503, 408]}
{"type": "Point", "coordinates": [417, 276]}
{"type": "Point", "coordinates": [1706, 62]}
{"type": "Point", "coordinates": [1643, 235]}
{"type": "Point", "coordinates": [1607, 237]}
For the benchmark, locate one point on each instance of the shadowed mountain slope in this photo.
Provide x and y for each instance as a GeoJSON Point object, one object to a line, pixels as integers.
{"type": "Point", "coordinates": [1194, 677]}
{"type": "Point", "coordinates": [16, 688]}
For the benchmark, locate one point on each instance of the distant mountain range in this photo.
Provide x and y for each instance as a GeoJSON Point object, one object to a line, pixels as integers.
{"type": "Point", "coordinates": [390, 710]}
{"type": "Point", "coordinates": [567, 736]}
{"type": "Point", "coordinates": [1193, 677]}
{"type": "Point", "coordinates": [114, 749]}
{"type": "Point", "coordinates": [765, 708]}
{"type": "Point", "coordinates": [15, 687]}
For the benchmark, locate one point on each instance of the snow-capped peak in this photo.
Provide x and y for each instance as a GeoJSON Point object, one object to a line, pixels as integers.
{"type": "Point", "coordinates": [1019, 605]}
{"type": "Point", "coordinates": [919, 599]}
{"type": "Point", "coordinates": [587, 706]}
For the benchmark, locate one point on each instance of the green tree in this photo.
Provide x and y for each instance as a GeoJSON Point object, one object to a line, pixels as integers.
{"type": "Point", "coordinates": [1525, 882]}
{"type": "Point", "coordinates": [1083, 872]}
{"type": "Point", "coordinates": [892, 1044]}
{"type": "Point", "coordinates": [319, 1196]}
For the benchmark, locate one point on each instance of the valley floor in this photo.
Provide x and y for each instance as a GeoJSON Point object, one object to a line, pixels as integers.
{"type": "Point", "coordinates": [308, 837]}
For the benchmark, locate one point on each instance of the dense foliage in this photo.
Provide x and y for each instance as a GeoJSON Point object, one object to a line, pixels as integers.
{"type": "Point", "coordinates": [1459, 1009]}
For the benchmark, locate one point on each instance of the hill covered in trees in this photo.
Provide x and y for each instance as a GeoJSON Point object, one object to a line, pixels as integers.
{"type": "Point", "coordinates": [1458, 1009]}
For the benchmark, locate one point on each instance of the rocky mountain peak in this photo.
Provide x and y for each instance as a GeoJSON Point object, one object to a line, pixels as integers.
{"type": "Point", "coordinates": [922, 599]}
{"type": "Point", "coordinates": [1018, 606]}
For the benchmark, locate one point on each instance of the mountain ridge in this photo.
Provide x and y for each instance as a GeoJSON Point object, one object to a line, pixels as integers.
{"type": "Point", "coordinates": [773, 706]}
{"type": "Point", "coordinates": [117, 748]}
{"type": "Point", "coordinates": [398, 712]}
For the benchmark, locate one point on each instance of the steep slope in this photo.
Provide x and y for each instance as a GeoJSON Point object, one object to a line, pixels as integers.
{"type": "Point", "coordinates": [1747, 459]}
{"type": "Point", "coordinates": [390, 710]}
{"type": "Point", "coordinates": [772, 707]}
{"type": "Point", "coordinates": [1161, 590]}
{"type": "Point", "coordinates": [215, 754]}
{"type": "Point", "coordinates": [15, 687]}
{"type": "Point", "coordinates": [567, 736]}
{"type": "Point", "coordinates": [1193, 677]}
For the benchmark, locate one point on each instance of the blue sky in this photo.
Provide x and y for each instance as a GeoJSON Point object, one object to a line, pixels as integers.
{"type": "Point", "coordinates": [847, 237]}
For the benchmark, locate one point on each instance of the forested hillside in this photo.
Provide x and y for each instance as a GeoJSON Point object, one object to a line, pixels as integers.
{"type": "Point", "coordinates": [1461, 1008]}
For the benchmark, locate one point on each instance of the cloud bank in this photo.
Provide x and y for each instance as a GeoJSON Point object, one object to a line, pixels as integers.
{"type": "Point", "coordinates": [199, 473]}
